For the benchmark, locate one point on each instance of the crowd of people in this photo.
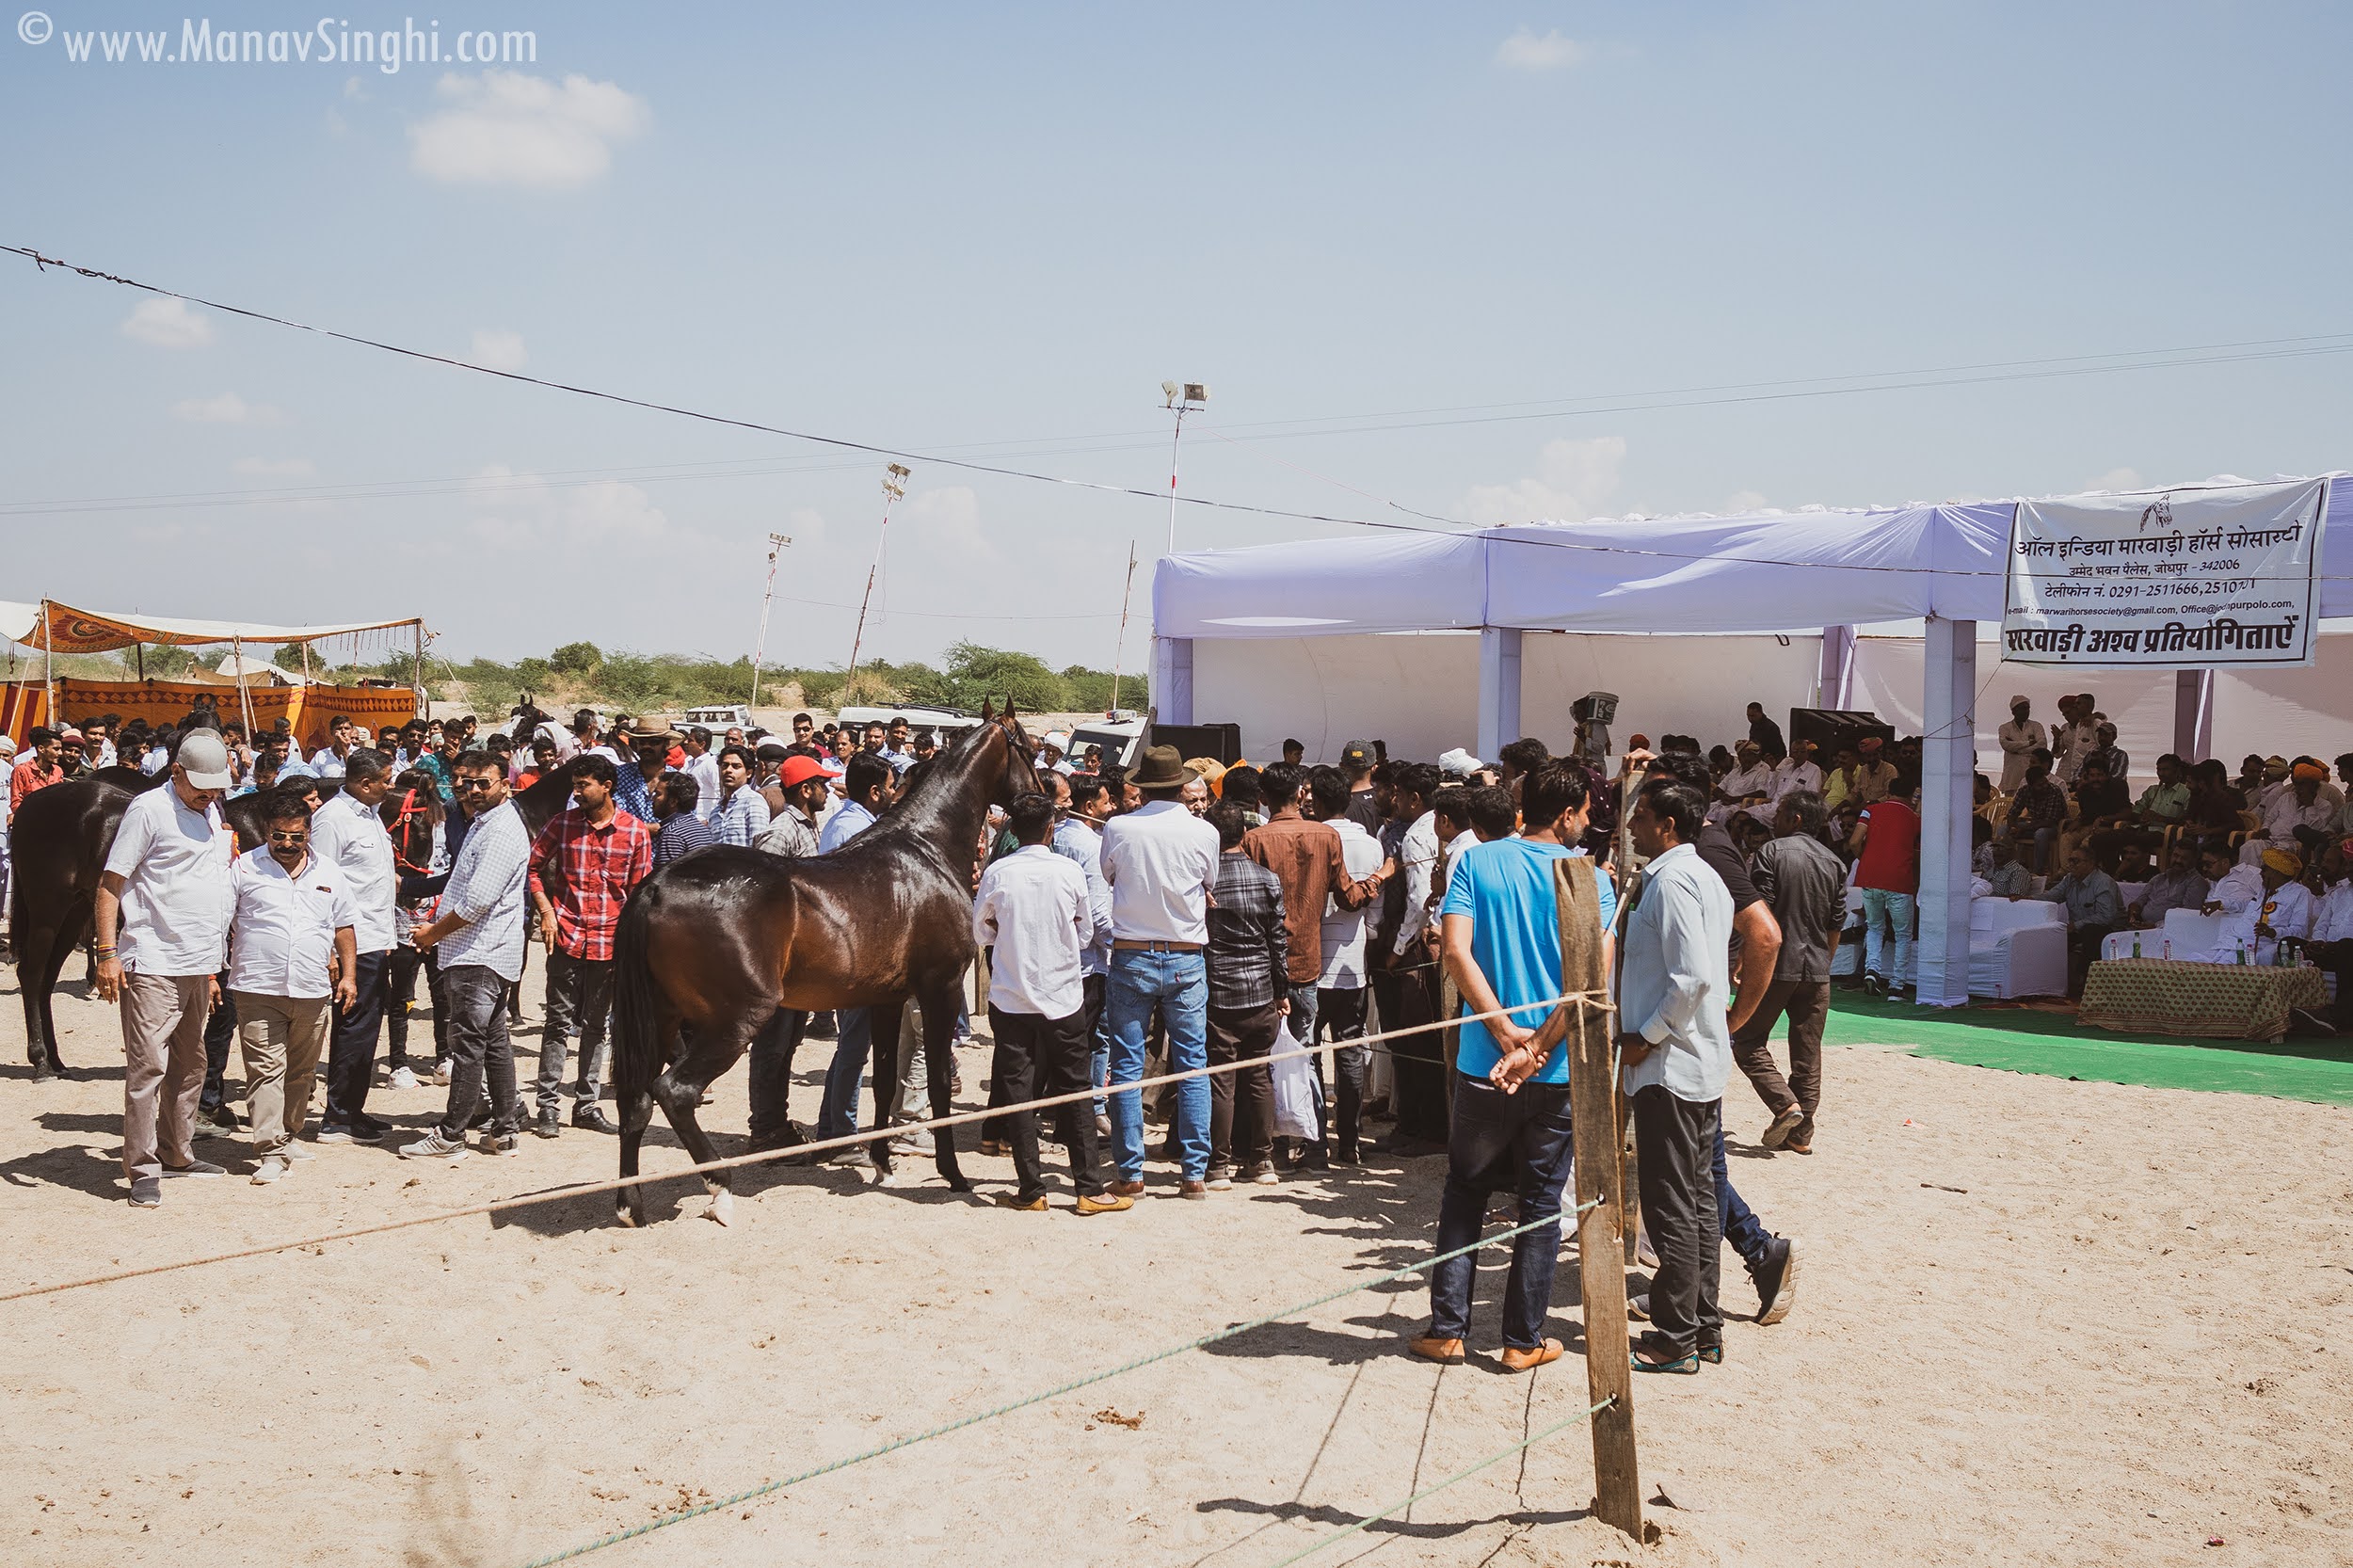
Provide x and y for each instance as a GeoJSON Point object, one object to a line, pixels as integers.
{"type": "Point", "coordinates": [1181, 914]}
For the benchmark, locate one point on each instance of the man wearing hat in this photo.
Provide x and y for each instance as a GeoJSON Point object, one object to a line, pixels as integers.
{"type": "Point", "coordinates": [2286, 910]}
{"type": "Point", "coordinates": [1159, 861]}
{"type": "Point", "coordinates": [2021, 738]}
{"type": "Point", "coordinates": [162, 919]}
{"type": "Point", "coordinates": [1876, 774]}
{"type": "Point", "coordinates": [1357, 761]}
{"type": "Point", "coordinates": [2299, 816]}
{"type": "Point", "coordinates": [791, 835]}
{"type": "Point", "coordinates": [647, 753]}
{"type": "Point", "coordinates": [1051, 751]}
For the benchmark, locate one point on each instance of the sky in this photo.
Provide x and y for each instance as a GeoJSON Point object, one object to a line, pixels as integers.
{"type": "Point", "coordinates": [1436, 264]}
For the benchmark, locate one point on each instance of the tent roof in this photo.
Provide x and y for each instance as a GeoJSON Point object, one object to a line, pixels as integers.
{"type": "Point", "coordinates": [99, 631]}
{"type": "Point", "coordinates": [1760, 571]}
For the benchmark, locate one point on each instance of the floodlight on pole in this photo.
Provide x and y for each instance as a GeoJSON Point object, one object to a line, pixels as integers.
{"type": "Point", "coordinates": [1183, 396]}
{"type": "Point", "coordinates": [777, 543]}
{"type": "Point", "coordinates": [894, 486]}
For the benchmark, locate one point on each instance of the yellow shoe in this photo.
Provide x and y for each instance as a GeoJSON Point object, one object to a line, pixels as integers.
{"type": "Point", "coordinates": [1525, 1361]}
{"type": "Point", "coordinates": [1444, 1351]}
{"type": "Point", "coordinates": [1027, 1205]}
{"type": "Point", "coordinates": [1110, 1202]}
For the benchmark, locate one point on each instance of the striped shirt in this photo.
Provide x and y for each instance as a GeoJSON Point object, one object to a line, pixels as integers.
{"type": "Point", "coordinates": [486, 890]}
{"type": "Point", "coordinates": [740, 820]}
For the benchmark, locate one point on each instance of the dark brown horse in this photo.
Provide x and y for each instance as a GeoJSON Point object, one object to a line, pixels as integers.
{"type": "Point", "coordinates": [718, 942]}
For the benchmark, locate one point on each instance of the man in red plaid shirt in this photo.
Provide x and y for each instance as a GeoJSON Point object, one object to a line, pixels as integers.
{"type": "Point", "coordinates": [585, 864]}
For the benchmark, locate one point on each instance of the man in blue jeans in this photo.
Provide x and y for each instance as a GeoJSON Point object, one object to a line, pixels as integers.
{"type": "Point", "coordinates": [1501, 935]}
{"type": "Point", "coordinates": [1159, 861]}
{"type": "Point", "coordinates": [866, 783]}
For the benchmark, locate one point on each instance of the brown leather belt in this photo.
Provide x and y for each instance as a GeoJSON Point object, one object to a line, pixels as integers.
{"type": "Point", "coordinates": [1128, 944]}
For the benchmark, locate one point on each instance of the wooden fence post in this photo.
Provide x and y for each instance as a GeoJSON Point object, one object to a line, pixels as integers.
{"type": "Point", "coordinates": [1600, 1174]}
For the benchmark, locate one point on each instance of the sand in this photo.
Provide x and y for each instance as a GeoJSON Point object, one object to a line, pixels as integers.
{"type": "Point", "coordinates": [2038, 1322]}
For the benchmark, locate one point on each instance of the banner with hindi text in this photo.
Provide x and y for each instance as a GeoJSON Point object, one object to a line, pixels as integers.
{"type": "Point", "coordinates": [2192, 579]}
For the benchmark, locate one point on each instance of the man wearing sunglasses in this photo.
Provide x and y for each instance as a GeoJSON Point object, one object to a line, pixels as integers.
{"type": "Point", "coordinates": [291, 950]}
{"type": "Point", "coordinates": [480, 933]}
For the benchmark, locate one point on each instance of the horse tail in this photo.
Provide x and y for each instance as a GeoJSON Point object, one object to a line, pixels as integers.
{"type": "Point", "coordinates": [638, 1047]}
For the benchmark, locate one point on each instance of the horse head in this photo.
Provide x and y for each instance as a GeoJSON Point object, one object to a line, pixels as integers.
{"type": "Point", "coordinates": [1021, 775]}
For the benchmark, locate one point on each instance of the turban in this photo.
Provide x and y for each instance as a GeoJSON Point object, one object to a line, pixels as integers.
{"type": "Point", "coordinates": [2283, 861]}
{"type": "Point", "coordinates": [2313, 771]}
{"type": "Point", "coordinates": [1871, 744]}
{"type": "Point", "coordinates": [1638, 743]}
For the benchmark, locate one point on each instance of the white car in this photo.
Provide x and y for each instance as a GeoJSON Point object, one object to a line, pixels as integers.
{"type": "Point", "coordinates": [1121, 736]}
{"type": "Point", "coordinates": [720, 717]}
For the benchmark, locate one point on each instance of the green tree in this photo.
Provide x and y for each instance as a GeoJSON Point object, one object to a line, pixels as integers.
{"type": "Point", "coordinates": [975, 673]}
{"type": "Point", "coordinates": [576, 659]}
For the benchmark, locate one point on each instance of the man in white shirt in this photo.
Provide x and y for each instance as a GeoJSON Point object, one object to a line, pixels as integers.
{"type": "Point", "coordinates": [1676, 1051]}
{"type": "Point", "coordinates": [2077, 738]}
{"type": "Point", "coordinates": [1340, 988]}
{"type": "Point", "coordinates": [1797, 771]}
{"type": "Point", "coordinates": [347, 834]}
{"type": "Point", "coordinates": [479, 930]}
{"type": "Point", "coordinates": [1033, 913]}
{"type": "Point", "coordinates": [1750, 778]}
{"type": "Point", "coordinates": [866, 782]}
{"type": "Point", "coordinates": [162, 919]}
{"type": "Point", "coordinates": [703, 768]}
{"type": "Point", "coordinates": [327, 762]}
{"type": "Point", "coordinates": [1160, 861]}
{"type": "Point", "coordinates": [2330, 945]}
{"type": "Point", "coordinates": [2021, 738]}
{"type": "Point", "coordinates": [1081, 807]}
{"type": "Point", "coordinates": [291, 956]}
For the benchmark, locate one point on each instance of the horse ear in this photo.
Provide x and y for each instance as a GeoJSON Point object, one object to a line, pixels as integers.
{"type": "Point", "coordinates": [988, 709]}
{"type": "Point", "coordinates": [1008, 718]}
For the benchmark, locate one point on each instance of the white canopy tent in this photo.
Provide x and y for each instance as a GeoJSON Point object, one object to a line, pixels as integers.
{"type": "Point", "coordinates": [1817, 573]}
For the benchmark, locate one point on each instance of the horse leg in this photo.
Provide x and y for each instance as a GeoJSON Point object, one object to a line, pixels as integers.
{"type": "Point", "coordinates": [885, 1070]}
{"type": "Point", "coordinates": [711, 1051]}
{"type": "Point", "coordinates": [40, 1016]}
{"type": "Point", "coordinates": [940, 1050]}
{"type": "Point", "coordinates": [635, 1103]}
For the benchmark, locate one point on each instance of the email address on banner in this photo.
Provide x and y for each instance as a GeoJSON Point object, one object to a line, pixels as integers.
{"type": "Point", "coordinates": [332, 42]}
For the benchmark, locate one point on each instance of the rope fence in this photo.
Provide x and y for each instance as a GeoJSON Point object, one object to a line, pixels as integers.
{"type": "Point", "coordinates": [1198, 1343]}
{"type": "Point", "coordinates": [1582, 999]}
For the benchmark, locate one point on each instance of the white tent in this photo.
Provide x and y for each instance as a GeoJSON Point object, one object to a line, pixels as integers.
{"type": "Point", "coordinates": [1817, 573]}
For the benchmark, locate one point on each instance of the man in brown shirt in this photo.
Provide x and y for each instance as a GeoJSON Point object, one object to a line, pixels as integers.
{"type": "Point", "coordinates": [1306, 858]}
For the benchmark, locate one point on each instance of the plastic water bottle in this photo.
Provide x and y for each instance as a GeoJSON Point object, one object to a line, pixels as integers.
{"type": "Point", "coordinates": [2135, 944]}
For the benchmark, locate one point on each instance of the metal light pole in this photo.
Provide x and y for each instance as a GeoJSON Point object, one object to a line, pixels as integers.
{"type": "Point", "coordinates": [894, 486]}
{"type": "Point", "coordinates": [777, 543]}
{"type": "Point", "coordinates": [1119, 649]}
{"type": "Point", "coordinates": [1182, 398]}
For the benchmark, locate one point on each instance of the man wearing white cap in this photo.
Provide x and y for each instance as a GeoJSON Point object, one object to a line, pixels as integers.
{"type": "Point", "coordinates": [162, 919]}
{"type": "Point", "coordinates": [2021, 738]}
{"type": "Point", "coordinates": [1051, 749]}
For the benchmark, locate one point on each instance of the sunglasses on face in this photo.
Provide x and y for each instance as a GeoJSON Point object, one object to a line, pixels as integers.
{"type": "Point", "coordinates": [303, 837]}
{"type": "Point", "coordinates": [468, 784]}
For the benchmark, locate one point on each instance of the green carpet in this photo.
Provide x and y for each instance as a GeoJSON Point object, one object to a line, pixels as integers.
{"type": "Point", "coordinates": [2021, 1040]}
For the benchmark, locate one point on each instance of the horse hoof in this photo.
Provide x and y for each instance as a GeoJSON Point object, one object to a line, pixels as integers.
{"type": "Point", "coordinates": [722, 1210]}
{"type": "Point", "coordinates": [891, 1178]}
{"type": "Point", "coordinates": [957, 1184]}
{"type": "Point", "coordinates": [627, 1220]}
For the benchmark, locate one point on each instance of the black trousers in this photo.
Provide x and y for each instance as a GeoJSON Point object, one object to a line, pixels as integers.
{"type": "Point", "coordinates": [400, 996]}
{"type": "Point", "coordinates": [351, 1048]}
{"type": "Point", "coordinates": [1807, 1003]}
{"type": "Point", "coordinates": [1037, 1057]}
{"type": "Point", "coordinates": [1677, 1143]}
{"type": "Point", "coordinates": [1418, 1063]}
{"type": "Point", "coordinates": [771, 1072]}
{"type": "Point", "coordinates": [220, 1028]}
{"type": "Point", "coordinates": [1340, 1015]}
{"type": "Point", "coordinates": [1241, 1104]}
{"type": "Point", "coordinates": [2337, 958]}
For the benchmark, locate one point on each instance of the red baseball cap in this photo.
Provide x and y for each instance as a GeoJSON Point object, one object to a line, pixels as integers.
{"type": "Point", "coordinates": [798, 771]}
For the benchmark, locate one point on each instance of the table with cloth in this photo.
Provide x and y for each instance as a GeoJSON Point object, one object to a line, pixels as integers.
{"type": "Point", "coordinates": [2217, 1001]}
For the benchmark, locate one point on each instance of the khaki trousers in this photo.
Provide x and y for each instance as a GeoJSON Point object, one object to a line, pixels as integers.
{"type": "Point", "coordinates": [163, 1068]}
{"type": "Point", "coordinates": [282, 1038]}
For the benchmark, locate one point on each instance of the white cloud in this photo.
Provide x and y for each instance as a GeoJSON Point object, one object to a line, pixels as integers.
{"type": "Point", "coordinates": [226, 409]}
{"type": "Point", "coordinates": [1572, 479]}
{"type": "Point", "coordinates": [1744, 501]}
{"type": "Point", "coordinates": [495, 348]}
{"type": "Point", "coordinates": [167, 323]}
{"type": "Point", "coordinates": [2118, 479]}
{"type": "Point", "coordinates": [522, 513]}
{"type": "Point", "coordinates": [1554, 51]}
{"type": "Point", "coordinates": [274, 468]}
{"type": "Point", "coordinates": [506, 128]}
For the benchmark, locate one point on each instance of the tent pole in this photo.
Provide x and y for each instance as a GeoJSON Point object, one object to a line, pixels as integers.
{"type": "Point", "coordinates": [424, 708]}
{"type": "Point", "coordinates": [245, 703]}
{"type": "Point", "coordinates": [49, 666]}
{"type": "Point", "coordinates": [1498, 689]}
{"type": "Point", "coordinates": [1947, 797]}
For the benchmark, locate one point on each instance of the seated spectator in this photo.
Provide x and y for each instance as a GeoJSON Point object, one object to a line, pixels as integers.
{"type": "Point", "coordinates": [2094, 908]}
{"type": "Point", "coordinates": [2007, 875]}
{"type": "Point", "coordinates": [2179, 886]}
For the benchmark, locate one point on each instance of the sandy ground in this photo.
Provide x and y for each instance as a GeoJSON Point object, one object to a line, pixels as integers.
{"type": "Point", "coordinates": [2038, 1322]}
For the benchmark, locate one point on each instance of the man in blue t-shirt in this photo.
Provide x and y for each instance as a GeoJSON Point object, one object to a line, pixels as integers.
{"type": "Point", "coordinates": [1501, 935]}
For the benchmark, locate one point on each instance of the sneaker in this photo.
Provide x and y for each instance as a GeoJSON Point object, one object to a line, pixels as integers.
{"type": "Point", "coordinates": [146, 1193]}
{"type": "Point", "coordinates": [197, 1168]}
{"type": "Point", "coordinates": [219, 1123]}
{"type": "Point", "coordinates": [550, 1124]}
{"type": "Point", "coordinates": [293, 1149]}
{"type": "Point", "coordinates": [1783, 1124]}
{"type": "Point", "coordinates": [367, 1129]}
{"type": "Point", "coordinates": [434, 1147]}
{"type": "Point", "coordinates": [332, 1135]}
{"type": "Point", "coordinates": [401, 1078]}
{"type": "Point", "coordinates": [1874, 985]}
{"type": "Point", "coordinates": [1220, 1181]}
{"type": "Point", "coordinates": [1265, 1176]}
{"type": "Point", "coordinates": [440, 1071]}
{"type": "Point", "coordinates": [1775, 1276]}
{"type": "Point", "coordinates": [1639, 1306]}
{"type": "Point", "coordinates": [1192, 1190]}
{"type": "Point", "coordinates": [273, 1168]}
{"type": "Point", "coordinates": [501, 1143]}
{"type": "Point", "coordinates": [854, 1154]}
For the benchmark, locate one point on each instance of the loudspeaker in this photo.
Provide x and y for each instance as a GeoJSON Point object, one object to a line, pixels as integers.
{"type": "Point", "coordinates": [1221, 740]}
{"type": "Point", "coordinates": [1830, 727]}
